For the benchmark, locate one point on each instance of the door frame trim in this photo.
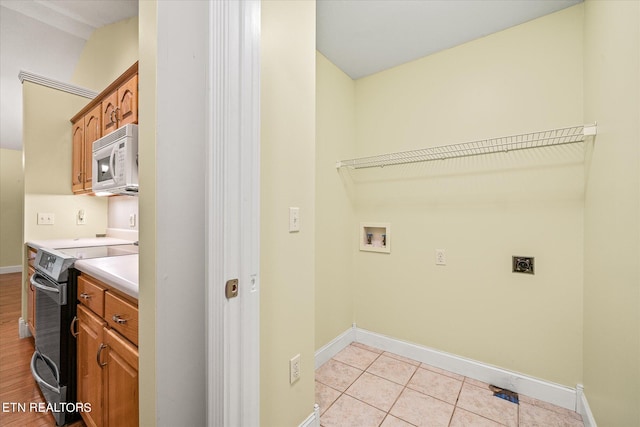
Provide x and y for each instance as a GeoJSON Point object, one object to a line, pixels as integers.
{"type": "Point", "coordinates": [233, 213]}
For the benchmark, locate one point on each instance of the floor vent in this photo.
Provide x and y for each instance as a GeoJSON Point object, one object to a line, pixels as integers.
{"type": "Point", "coordinates": [505, 394]}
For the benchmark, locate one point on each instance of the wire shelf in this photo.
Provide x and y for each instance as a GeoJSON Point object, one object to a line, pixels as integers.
{"type": "Point", "coordinates": [547, 138]}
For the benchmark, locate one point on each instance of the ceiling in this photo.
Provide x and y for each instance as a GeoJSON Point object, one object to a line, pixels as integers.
{"type": "Point", "coordinates": [361, 37]}
{"type": "Point", "coordinates": [45, 38]}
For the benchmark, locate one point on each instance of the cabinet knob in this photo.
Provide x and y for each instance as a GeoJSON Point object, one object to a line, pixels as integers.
{"type": "Point", "coordinates": [85, 296]}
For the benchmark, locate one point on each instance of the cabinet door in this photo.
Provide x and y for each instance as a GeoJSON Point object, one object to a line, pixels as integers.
{"type": "Point", "coordinates": [121, 385]}
{"type": "Point", "coordinates": [31, 304]}
{"type": "Point", "coordinates": [92, 132]}
{"type": "Point", "coordinates": [109, 113]}
{"type": "Point", "coordinates": [128, 102]}
{"type": "Point", "coordinates": [90, 374]}
{"type": "Point", "coordinates": [77, 159]}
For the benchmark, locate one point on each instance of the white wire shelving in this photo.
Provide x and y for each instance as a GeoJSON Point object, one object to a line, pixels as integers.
{"type": "Point", "coordinates": [546, 138]}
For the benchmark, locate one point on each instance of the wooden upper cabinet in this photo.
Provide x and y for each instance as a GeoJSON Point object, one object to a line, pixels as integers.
{"type": "Point", "coordinates": [77, 159]}
{"type": "Point", "coordinates": [121, 106]}
{"type": "Point", "coordinates": [113, 108]}
{"type": "Point", "coordinates": [85, 130]}
{"type": "Point", "coordinates": [92, 132]}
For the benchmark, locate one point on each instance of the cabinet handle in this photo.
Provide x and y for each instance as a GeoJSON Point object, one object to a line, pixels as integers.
{"type": "Point", "coordinates": [85, 296]}
{"type": "Point", "coordinates": [111, 116]}
{"type": "Point", "coordinates": [79, 176]}
{"type": "Point", "coordinates": [74, 332]}
{"type": "Point", "coordinates": [119, 320]}
{"type": "Point", "coordinates": [102, 347]}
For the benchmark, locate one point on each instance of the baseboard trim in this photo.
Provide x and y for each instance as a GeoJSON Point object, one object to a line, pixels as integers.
{"type": "Point", "coordinates": [11, 269]}
{"type": "Point", "coordinates": [582, 407]}
{"type": "Point", "coordinates": [23, 329]}
{"type": "Point", "coordinates": [334, 347]}
{"type": "Point", "coordinates": [312, 420]}
{"type": "Point", "coordinates": [546, 391]}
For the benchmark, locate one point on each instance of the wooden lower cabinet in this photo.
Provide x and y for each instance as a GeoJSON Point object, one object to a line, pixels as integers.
{"type": "Point", "coordinates": [107, 361]}
{"type": "Point", "coordinates": [90, 374]}
{"type": "Point", "coordinates": [121, 385]}
{"type": "Point", "coordinates": [31, 304]}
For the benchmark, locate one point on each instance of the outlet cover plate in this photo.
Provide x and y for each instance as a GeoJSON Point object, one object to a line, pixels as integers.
{"type": "Point", "coordinates": [294, 369]}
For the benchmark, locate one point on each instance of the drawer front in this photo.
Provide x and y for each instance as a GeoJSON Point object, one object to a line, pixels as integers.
{"type": "Point", "coordinates": [122, 316]}
{"type": "Point", "coordinates": [91, 295]}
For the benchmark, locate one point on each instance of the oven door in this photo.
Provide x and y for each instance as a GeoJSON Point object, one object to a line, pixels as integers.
{"type": "Point", "coordinates": [47, 375]}
{"type": "Point", "coordinates": [51, 299]}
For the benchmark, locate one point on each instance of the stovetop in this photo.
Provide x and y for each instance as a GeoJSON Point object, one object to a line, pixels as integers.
{"type": "Point", "coordinates": [100, 251]}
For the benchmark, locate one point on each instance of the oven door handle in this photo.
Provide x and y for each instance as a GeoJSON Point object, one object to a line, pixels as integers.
{"type": "Point", "coordinates": [62, 296]}
{"type": "Point", "coordinates": [37, 376]}
{"type": "Point", "coordinates": [37, 284]}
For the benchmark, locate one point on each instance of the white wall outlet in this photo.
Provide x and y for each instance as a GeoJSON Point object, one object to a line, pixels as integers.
{"type": "Point", "coordinates": [294, 369]}
{"type": "Point", "coordinates": [81, 218]}
{"type": "Point", "coordinates": [441, 257]}
{"type": "Point", "coordinates": [294, 220]}
{"type": "Point", "coordinates": [46, 218]}
{"type": "Point", "coordinates": [132, 220]}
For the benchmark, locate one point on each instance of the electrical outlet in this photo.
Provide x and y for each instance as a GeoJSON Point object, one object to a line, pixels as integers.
{"type": "Point", "coordinates": [294, 369]}
{"type": "Point", "coordinates": [46, 218]}
{"type": "Point", "coordinates": [441, 257]}
{"type": "Point", "coordinates": [81, 218]}
{"type": "Point", "coordinates": [132, 220]}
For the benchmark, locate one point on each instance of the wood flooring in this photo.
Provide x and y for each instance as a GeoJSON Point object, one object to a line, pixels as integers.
{"type": "Point", "coordinates": [17, 386]}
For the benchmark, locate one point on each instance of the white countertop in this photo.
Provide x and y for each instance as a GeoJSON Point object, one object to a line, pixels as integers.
{"type": "Point", "coordinates": [121, 272]}
{"type": "Point", "coordinates": [82, 242]}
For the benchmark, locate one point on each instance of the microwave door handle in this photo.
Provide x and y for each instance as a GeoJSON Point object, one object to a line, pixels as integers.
{"type": "Point", "coordinates": [112, 164]}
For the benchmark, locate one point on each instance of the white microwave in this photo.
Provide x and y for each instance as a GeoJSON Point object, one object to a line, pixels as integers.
{"type": "Point", "coordinates": [115, 162]}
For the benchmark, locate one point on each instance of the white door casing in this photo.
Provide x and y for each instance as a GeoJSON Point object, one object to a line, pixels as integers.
{"type": "Point", "coordinates": [233, 220]}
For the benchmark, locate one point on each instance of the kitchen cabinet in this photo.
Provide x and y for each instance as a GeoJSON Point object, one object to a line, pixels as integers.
{"type": "Point", "coordinates": [31, 292]}
{"type": "Point", "coordinates": [31, 304]}
{"type": "Point", "coordinates": [107, 354]}
{"type": "Point", "coordinates": [114, 107]}
{"type": "Point", "coordinates": [85, 131]}
{"type": "Point", "coordinates": [121, 384]}
{"type": "Point", "coordinates": [121, 106]}
{"type": "Point", "coordinates": [90, 374]}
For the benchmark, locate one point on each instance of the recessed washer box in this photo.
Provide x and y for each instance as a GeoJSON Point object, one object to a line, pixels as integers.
{"type": "Point", "coordinates": [375, 237]}
{"type": "Point", "coordinates": [522, 264]}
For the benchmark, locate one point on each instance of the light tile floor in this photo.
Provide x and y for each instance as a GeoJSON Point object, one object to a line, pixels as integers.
{"type": "Point", "coordinates": [366, 387]}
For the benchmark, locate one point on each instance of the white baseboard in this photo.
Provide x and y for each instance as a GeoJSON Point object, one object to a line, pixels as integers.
{"type": "Point", "coordinates": [335, 346]}
{"type": "Point", "coordinates": [546, 391]}
{"type": "Point", "coordinates": [11, 269]}
{"type": "Point", "coordinates": [312, 420]}
{"type": "Point", "coordinates": [23, 329]}
{"type": "Point", "coordinates": [582, 407]}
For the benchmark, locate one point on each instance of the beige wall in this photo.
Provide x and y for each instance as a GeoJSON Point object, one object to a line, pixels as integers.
{"type": "Point", "coordinates": [11, 190]}
{"type": "Point", "coordinates": [47, 167]}
{"type": "Point", "coordinates": [107, 54]}
{"type": "Point", "coordinates": [480, 210]}
{"type": "Point", "coordinates": [612, 213]}
{"type": "Point", "coordinates": [287, 179]}
{"type": "Point", "coordinates": [147, 201]}
{"type": "Point", "coordinates": [335, 243]}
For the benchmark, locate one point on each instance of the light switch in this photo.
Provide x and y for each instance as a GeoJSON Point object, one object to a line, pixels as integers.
{"type": "Point", "coordinates": [294, 220]}
{"type": "Point", "coordinates": [46, 218]}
